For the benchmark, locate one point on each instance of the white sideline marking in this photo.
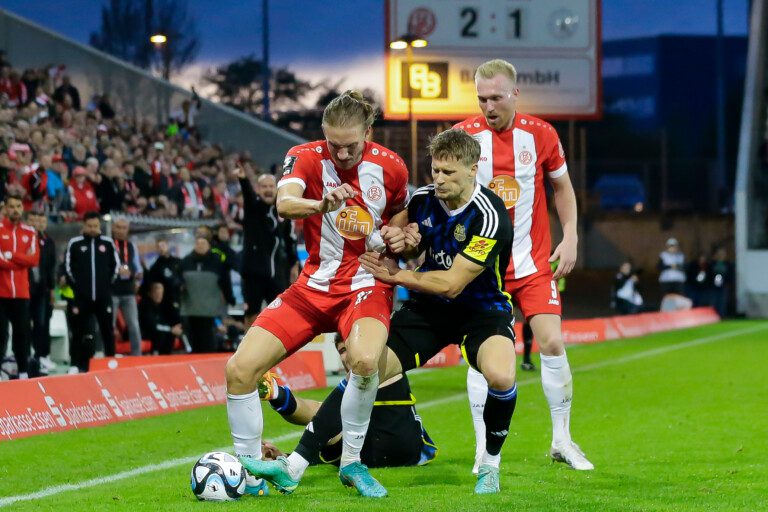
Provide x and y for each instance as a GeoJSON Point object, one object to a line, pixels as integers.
{"type": "Point", "coordinates": [58, 489]}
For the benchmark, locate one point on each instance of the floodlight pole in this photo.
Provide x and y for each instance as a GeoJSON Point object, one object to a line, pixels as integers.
{"type": "Point", "coordinates": [412, 120]}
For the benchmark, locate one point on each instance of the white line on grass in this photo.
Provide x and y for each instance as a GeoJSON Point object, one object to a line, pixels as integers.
{"type": "Point", "coordinates": [58, 489]}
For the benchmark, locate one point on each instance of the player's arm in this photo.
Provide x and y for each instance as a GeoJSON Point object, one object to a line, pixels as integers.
{"type": "Point", "coordinates": [446, 283]}
{"type": "Point", "coordinates": [292, 205]}
{"type": "Point", "coordinates": [565, 203]}
{"type": "Point", "coordinates": [282, 404]}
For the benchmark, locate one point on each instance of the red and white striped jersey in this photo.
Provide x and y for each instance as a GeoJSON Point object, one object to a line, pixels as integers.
{"type": "Point", "coordinates": [513, 164]}
{"type": "Point", "coordinates": [335, 240]}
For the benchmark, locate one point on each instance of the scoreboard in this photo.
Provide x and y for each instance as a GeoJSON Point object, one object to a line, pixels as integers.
{"type": "Point", "coordinates": [553, 44]}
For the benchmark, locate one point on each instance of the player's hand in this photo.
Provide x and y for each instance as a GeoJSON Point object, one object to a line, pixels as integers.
{"type": "Point", "coordinates": [383, 267]}
{"type": "Point", "coordinates": [333, 200]}
{"type": "Point", "coordinates": [566, 253]}
{"type": "Point", "coordinates": [394, 238]}
{"type": "Point", "coordinates": [412, 236]}
{"type": "Point", "coordinates": [270, 451]}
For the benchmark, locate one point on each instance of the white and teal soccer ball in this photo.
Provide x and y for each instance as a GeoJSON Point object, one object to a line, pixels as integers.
{"type": "Point", "coordinates": [218, 476]}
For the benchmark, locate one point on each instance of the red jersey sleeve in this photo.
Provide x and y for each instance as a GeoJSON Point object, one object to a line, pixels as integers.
{"type": "Point", "coordinates": [400, 190]}
{"type": "Point", "coordinates": [554, 156]}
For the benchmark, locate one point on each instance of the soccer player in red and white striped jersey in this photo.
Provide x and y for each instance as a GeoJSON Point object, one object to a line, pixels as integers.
{"type": "Point", "coordinates": [346, 188]}
{"type": "Point", "coordinates": [518, 153]}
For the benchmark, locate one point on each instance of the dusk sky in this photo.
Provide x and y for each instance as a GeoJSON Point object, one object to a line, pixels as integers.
{"type": "Point", "coordinates": [312, 37]}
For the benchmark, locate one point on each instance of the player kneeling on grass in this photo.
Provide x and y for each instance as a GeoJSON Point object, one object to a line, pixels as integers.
{"type": "Point", "coordinates": [459, 298]}
{"type": "Point", "coordinates": [395, 436]}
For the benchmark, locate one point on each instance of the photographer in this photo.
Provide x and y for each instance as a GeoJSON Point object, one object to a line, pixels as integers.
{"type": "Point", "coordinates": [626, 294]}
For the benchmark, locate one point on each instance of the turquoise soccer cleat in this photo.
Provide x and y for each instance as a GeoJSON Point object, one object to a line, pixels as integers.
{"type": "Point", "coordinates": [487, 480]}
{"type": "Point", "coordinates": [258, 489]}
{"type": "Point", "coordinates": [273, 471]}
{"type": "Point", "coordinates": [356, 475]}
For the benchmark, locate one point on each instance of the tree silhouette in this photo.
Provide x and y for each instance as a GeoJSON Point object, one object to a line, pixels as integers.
{"type": "Point", "coordinates": [126, 26]}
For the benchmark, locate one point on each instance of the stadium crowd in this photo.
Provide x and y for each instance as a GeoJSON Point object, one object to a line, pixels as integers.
{"type": "Point", "coordinates": [67, 160]}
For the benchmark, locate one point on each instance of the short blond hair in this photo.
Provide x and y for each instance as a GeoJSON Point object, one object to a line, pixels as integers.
{"type": "Point", "coordinates": [495, 67]}
{"type": "Point", "coordinates": [457, 145]}
{"type": "Point", "coordinates": [349, 109]}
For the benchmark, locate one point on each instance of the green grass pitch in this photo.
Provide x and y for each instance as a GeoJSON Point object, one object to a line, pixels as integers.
{"type": "Point", "coordinates": [673, 421]}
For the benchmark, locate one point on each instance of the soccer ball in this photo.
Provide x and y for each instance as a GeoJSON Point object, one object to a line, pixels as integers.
{"type": "Point", "coordinates": [218, 476]}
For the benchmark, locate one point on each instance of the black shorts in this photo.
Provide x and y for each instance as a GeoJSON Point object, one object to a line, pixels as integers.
{"type": "Point", "coordinates": [394, 439]}
{"type": "Point", "coordinates": [418, 331]}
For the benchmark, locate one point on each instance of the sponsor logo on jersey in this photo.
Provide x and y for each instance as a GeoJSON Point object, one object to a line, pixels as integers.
{"type": "Point", "coordinates": [374, 193]}
{"type": "Point", "coordinates": [332, 184]}
{"type": "Point", "coordinates": [354, 223]}
{"type": "Point", "coordinates": [427, 222]}
{"type": "Point", "coordinates": [525, 157]}
{"type": "Point", "coordinates": [441, 258]}
{"type": "Point", "coordinates": [459, 233]}
{"type": "Point", "coordinates": [554, 302]}
{"type": "Point", "coordinates": [479, 247]}
{"type": "Point", "coordinates": [288, 164]}
{"type": "Point", "coordinates": [507, 188]}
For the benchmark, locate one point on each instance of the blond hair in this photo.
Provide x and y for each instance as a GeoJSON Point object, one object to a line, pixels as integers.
{"type": "Point", "coordinates": [349, 109]}
{"type": "Point", "coordinates": [495, 67]}
{"type": "Point", "coordinates": [455, 144]}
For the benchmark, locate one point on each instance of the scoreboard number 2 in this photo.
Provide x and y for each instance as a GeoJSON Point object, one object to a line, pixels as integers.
{"type": "Point", "coordinates": [470, 15]}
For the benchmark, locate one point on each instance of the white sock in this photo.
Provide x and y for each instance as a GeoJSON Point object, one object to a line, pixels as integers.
{"type": "Point", "coordinates": [491, 460]}
{"type": "Point", "coordinates": [477, 392]}
{"type": "Point", "coordinates": [356, 407]}
{"type": "Point", "coordinates": [557, 382]}
{"type": "Point", "coordinates": [246, 424]}
{"type": "Point", "coordinates": [297, 465]}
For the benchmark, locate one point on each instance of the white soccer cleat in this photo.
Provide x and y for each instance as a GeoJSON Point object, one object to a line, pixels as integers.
{"type": "Point", "coordinates": [47, 364]}
{"type": "Point", "coordinates": [571, 454]}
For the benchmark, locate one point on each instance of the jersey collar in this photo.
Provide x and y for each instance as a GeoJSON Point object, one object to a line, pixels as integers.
{"type": "Point", "coordinates": [452, 213]}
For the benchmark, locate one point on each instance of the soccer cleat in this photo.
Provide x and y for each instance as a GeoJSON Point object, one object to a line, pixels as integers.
{"type": "Point", "coordinates": [47, 364]}
{"type": "Point", "coordinates": [571, 454]}
{"type": "Point", "coordinates": [273, 471]}
{"type": "Point", "coordinates": [256, 486]}
{"type": "Point", "coordinates": [487, 480]}
{"type": "Point", "coordinates": [267, 386]}
{"type": "Point", "coordinates": [356, 475]}
{"type": "Point", "coordinates": [528, 367]}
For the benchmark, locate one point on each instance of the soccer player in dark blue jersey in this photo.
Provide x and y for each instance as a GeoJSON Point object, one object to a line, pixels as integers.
{"type": "Point", "coordinates": [465, 234]}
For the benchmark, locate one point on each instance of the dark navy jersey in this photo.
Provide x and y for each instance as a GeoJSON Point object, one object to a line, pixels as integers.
{"type": "Point", "coordinates": [479, 231]}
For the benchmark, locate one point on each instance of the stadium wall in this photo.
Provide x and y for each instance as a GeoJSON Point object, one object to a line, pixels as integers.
{"type": "Point", "coordinates": [136, 92]}
{"type": "Point", "coordinates": [751, 203]}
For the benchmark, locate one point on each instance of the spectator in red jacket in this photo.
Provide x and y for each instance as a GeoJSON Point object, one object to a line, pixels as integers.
{"type": "Point", "coordinates": [81, 193]}
{"type": "Point", "coordinates": [18, 253]}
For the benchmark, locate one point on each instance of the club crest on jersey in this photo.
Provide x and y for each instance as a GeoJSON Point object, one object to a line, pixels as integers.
{"type": "Point", "coordinates": [459, 233]}
{"type": "Point", "coordinates": [374, 193]}
{"type": "Point", "coordinates": [479, 248]}
{"type": "Point", "coordinates": [275, 303]}
{"type": "Point", "coordinates": [525, 157]}
{"type": "Point", "coordinates": [354, 223]}
{"type": "Point", "coordinates": [507, 188]}
{"type": "Point", "coordinates": [560, 149]}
